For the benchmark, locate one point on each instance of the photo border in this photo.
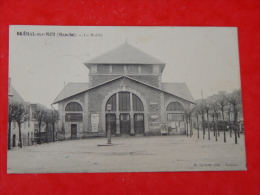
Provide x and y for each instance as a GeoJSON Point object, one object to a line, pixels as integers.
{"type": "Point", "coordinates": [243, 14]}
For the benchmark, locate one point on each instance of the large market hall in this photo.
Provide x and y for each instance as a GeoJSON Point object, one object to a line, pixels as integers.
{"type": "Point", "coordinates": [130, 81]}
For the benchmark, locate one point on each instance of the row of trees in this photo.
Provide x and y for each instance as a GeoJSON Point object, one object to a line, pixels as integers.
{"type": "Point", "coordinates": [217, 107]}
{"type": "Point", "coordinates": [48, 117]}
{"type": "Point", "coordinates": [19, 112]}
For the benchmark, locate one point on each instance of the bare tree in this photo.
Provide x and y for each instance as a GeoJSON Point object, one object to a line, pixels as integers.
{"type": "Point", "coordinates": [47, 120]}
{"type": "Point", "coordinates": [207, 109]}
{"type": "Point", "coordinates": [12, 107]}
{"type": "Point", "coordinates": [188, 113]}
{"type": "Point", "coordinates": [235, 101]}
{"type": "Point", "coordinates": [214, 112]}
{"type": "Point", "coordinates": [196, 114]}
{"type": "Point", "coordinates": [54, 117]}
{"type": "Point", "coordinates": [228, 112]}
{"type": "Point", "coordinates": [19, 115]}
{"type": "Point", "coordinates": [201, 112]}
{"type": "Point", "coordinates": [222, 101]}
{"type": "Point", "coordinates": [39, 115]}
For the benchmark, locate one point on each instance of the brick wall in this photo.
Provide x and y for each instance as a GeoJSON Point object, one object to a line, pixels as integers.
{"type": "Point", "coordinates": [93, 101]}
{"type": "Point", "coordinates": [97, 96]}
{"type": "Point", "coordinates": [99, 79]}
{"type": "Point", "coordinates": [148, 79]}
{"type": "Point", "coordinates": [153, 80]}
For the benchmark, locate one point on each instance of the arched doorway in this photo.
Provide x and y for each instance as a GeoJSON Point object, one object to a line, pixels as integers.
{"type": "Point", "coordinates": [127, 114]}
{"type": "Point", "coordinates": [175, 116]}
{"type": "Point", "coordinates": [73, 117]}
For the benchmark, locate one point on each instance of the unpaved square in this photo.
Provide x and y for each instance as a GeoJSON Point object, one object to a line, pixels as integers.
{"type": "Point", "coordinates": [130, 154]}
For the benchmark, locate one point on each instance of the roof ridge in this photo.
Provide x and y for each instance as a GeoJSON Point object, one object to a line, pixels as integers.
{"type": "Point", "coordinates": [144, 52]}
{"type": "Point", "coordinates": [130, 79]}
{"type": "Point", "coordinates": [54, 102]}
{"type": "Point", "coordinates": [124, 46]}
{"type": "Point", "coordinates": [14, 92]}
{"type": "Point", "coordinates": [91, 59]}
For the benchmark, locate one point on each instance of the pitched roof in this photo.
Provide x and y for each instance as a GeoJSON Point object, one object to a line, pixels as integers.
{"type": "Point", "coordinates": [14, 95]}
{"type": "Point", "coordinates": [124, 54]}
{"type": "Point", "coordinates": [178, 89]}
{"type": "Point", "coordinates": [71, 89]}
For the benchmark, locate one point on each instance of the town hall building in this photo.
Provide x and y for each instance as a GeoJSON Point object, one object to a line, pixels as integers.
{"type": "Point", "coordinates": [130, 81]}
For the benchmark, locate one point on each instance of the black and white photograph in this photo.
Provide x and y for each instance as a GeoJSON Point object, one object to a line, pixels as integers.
{"type": "Point", "coordinates": [99, 99]}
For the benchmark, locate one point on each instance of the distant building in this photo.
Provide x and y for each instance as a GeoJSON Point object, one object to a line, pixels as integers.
{"type": "Point", "coordinates": [228, 114]}
{"type": "Point", "coordinates": [130, 81]}
{"type": "Point", "coordinates": [29, 129]}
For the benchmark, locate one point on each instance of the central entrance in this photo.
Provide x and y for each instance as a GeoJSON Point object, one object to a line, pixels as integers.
{"type": "Point", "coordinates": [125, 124]}
{"type": "Point", "coordinates": [126, 115]}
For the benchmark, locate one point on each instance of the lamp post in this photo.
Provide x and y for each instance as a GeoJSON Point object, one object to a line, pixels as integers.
{"type": "Point", "coordinates": [109, 106]}
{"type": "Point", "coordinates": [227, 128]}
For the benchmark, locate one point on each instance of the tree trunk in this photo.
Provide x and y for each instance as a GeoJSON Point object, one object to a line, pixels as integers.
{"type": "Point", "coordinates": [198, 127]}
{"type": "Point", "coordinates": [9, 134]}
{"type": "Point", "coordinates": [190, 126]}
{"type": "Point", "coordinates": [215, 129]}
{"type": "Point", "coordinates": [53, 132]}
{"type": "Point", "coordinates": [235, 119]}
{"type": "Point", "coordinates": [187, 126]}
{"type": "Point", "coordinates": [229, 125]}
{"type": "Point", "coordinates": [213, 125]}
{"type": "Point", "coordinates": [217, 126]}
{"type": "Point", "coordinates": [223, 126]}
{"type": "Point", "coordinates": [20, 135]}
{"type": "Point", "coordinates": [39, 136]}
{"type": "Point", "coordinates": [47, 133]}
{"type": "Point", "coordinates": [208, 126]}
{"type": "Point", "coordinates": [203, 127]}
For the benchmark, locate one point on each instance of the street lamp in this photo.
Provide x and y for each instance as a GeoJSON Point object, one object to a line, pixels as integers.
{"type": "Point", "coordinates": [228, 130]}
{"type": "Point", "coordinates": [109, 106]}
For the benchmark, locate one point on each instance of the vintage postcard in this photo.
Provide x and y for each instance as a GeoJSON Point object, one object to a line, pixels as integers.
{"type": "Point", "coordinates": [85, 99]}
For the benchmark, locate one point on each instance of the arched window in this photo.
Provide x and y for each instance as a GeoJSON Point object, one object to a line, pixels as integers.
{"type": "Point", "coordinates": [174, 106]}
{"type": "Point", "coordinates": [112, 101]}
{"type": "Point", "coordinates": [73, 106]}
{"type": "Point", "coordinates": [137, 104]}
{"type": "Point", "coordinates": [123, 102]}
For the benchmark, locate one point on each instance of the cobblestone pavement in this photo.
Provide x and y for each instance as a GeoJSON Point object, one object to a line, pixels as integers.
{"type": "Point", "coordinates": [130, 154]}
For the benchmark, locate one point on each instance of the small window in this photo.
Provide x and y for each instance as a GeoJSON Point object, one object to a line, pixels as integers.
{"type": "Point", "coordinates": [175, 117]}
{"type": "Point", "coordinates": [73, 117]}
{"type": "Point", "coordinates": [73, 106]}
{"type": "Point", "coordinates": [174, 106]}
{"type": "Point", "coordinates": [103, 69]}
{"type": "Point", "coordinates": [132, 69]}
{"type": "Point", "coordinates": [118, 69]}
{"type": "Point", "coordinates": [146, 69]}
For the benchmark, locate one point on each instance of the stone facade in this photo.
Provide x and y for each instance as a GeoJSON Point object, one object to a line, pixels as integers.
{"type": "Point", "coordinates": [141, 94]}
{"type": "Point", "coordinates": [94, 101]}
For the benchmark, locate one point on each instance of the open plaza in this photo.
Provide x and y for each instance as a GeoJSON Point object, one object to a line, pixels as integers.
{"type": "Point", "coordinates": [131, 154]}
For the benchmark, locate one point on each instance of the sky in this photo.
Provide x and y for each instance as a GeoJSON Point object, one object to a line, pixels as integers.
{"type": "Point", "coordinates": [205, 58]}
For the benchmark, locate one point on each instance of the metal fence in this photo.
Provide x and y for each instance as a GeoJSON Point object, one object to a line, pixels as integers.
{"type": "Point", "coordinates": [31, 141]}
